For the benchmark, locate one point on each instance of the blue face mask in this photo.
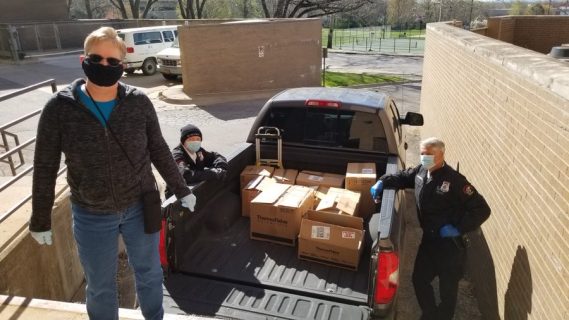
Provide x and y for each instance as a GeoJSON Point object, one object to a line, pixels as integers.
{"type": "Point", "coordinates": [427, 161]}
{"type": "Point", "coordinates": [194, 146]}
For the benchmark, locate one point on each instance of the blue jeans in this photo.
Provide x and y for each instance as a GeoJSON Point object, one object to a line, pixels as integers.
{"type": "Point", "coordinates": [97, 242]}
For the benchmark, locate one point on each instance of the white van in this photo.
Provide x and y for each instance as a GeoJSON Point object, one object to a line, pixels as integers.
{"type": "Point", "coordinates": [169, 62]}
{"type": "Point", "coordinates": [142, 45]}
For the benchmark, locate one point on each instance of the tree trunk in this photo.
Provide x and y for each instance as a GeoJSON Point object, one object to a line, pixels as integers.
{"type": "Point", "coordinates": [182, 10]}
{"type": "Point", "coordinates": [265, 9]}
{"type": "Point", "coordinates": [120, 5]}
{"type": "Point", "coordinates": [190, 7]}
{"type": "Point", "coordinates": [134, 8]}
{"type": "Point", "coordinates": [200, 7]}
{"type": "Point", "coordinates": [149, 5]}
{"type": "Point", "coordinates": [245, 9]}
{"type": "Point", "coordinates": [88, 9]}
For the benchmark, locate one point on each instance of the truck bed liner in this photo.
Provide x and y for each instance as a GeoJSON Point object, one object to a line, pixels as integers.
{"type": "Point", "coordinates": [232, 256]}
{"type": "Point", "coordinates": [189, 294]}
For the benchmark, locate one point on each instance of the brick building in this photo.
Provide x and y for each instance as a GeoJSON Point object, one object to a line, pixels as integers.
{"type": "Point", "coordinates": [503, 111]}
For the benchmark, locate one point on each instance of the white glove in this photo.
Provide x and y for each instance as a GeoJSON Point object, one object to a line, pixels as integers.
{"type": "Point", "coordinates": [42, 237]}
{"type": "Point", "coordinates": [189, 202]}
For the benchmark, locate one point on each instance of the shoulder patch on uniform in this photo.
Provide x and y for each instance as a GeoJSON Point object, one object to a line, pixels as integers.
{"type": "Point", "coordinates": [468, 190]}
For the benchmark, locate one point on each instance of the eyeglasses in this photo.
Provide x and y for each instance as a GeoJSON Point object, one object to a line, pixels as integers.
{"type": "Point", "coordinates": [97, 59]}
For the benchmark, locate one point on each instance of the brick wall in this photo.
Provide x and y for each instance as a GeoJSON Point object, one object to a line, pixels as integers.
{"type": "Point", "coordinates": [249, 56]}
{"type": "Point", "coordinates": [503, 112]}
{"type": "Point", "coordinates": [538, 33]}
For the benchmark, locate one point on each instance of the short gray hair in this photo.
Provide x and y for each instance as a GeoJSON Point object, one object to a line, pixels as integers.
{"type": "Point", "coordinates": [434, 143]}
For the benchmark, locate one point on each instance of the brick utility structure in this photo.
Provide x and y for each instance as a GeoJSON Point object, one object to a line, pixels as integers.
{"type": "Point", "coordinates": [538, 33]}
{"type": "Point", "coordinates": [503, 112]}
{"type": "Point", "coordinates": [251, 55]}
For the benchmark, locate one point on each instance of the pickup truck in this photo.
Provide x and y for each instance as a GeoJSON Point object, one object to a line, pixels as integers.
{"type": "Point", "coordinates": [219, 271]}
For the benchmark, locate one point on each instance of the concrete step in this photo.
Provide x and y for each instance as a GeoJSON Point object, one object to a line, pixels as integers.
{"type": "Point", "coordinates": [20, 308]}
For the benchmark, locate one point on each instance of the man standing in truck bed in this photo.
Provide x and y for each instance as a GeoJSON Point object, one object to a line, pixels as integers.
{"type": "Point", "coordinates": [448, 206]}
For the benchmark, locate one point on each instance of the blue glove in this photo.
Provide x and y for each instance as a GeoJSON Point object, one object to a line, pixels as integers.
{"type": "Point", "coordinates": [376, 189]}
{"type": "Point", "coordinates": [448, 230]}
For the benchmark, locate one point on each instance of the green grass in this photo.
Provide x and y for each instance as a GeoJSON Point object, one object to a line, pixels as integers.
{"type": "Point", "coordinates": [340, 79]}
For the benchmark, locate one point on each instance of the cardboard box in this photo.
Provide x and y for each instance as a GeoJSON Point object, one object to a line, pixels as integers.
{"type": "Point", "coordinates": [276, 213]}
{"type": "Point", "coordinates": [315, 178]}
{"type": "Point", "coordinates": [251, 172]}
{"type": "Point", "coordinates": [340, 201]}
{"type": "Point", "coordinates": [332, 239]}
{"type": "Point", "coordinates": [361, 177]}
{"type": "Point", "coordinates": [252, 190]}
{"type": "Point", "coordinates": [286, 176]}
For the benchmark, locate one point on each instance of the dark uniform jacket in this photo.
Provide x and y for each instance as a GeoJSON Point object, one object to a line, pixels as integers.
{"type": "Point", "coordinates": [208, 165]}
{"type": "Point", "coordinates": [444, 198]}
{"type": "Point", "coordinates": [99, 175]}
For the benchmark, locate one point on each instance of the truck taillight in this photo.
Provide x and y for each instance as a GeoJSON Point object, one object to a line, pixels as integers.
{"type": "Point", "coordinates": [130, 49]}
{"type": "Point", "coordinates": [387, 277]}
{"type": "Point", "coordinates": [322, 103]}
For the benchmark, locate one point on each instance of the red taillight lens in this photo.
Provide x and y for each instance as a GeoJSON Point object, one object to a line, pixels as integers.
{"type": "Point", "coordinates": [387, 278]}
{"type": "Point", "coordinates": [130, 49]}
{"type": "Point", "coordinates": [322, 103]}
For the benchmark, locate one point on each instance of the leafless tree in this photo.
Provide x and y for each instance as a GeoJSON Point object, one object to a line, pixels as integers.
{"type": "Point", "coordinates": [134, 6]}
{"type": "Point", "coordinates": [400, 11]}
{"type": "Point", "coordinates": [308, 8]}
{"type": "Point", "coordinates": [192, 9]}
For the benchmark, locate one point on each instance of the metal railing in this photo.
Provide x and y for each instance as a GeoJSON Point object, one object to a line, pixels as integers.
{"type": "Point", "coordinates": [6, 157]}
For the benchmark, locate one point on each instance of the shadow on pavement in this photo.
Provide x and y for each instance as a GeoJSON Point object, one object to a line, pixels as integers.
{"type": "Point", "coordinates": [138, 79]}
{"type": "Point", "coordinates": [235, 109]}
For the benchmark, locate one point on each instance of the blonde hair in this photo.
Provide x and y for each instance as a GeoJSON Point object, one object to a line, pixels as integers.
{"type": "Point", "coordinates": [434, 143]}
{"type": "Point", "coordinates": [104, 34]}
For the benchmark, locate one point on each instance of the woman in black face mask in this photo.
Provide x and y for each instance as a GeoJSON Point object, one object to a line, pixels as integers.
{"type": "Point", "coordinates": [110, 136]}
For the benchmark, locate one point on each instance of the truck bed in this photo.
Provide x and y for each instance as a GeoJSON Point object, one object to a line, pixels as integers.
{"type": "Point", "coordinates": [231, 266]}
{"type": "Point", "coordinates": [222, 272]}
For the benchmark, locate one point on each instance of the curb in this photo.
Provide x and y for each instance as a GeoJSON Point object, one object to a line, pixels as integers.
{"type": "Point", "coordinates": [175, 95]}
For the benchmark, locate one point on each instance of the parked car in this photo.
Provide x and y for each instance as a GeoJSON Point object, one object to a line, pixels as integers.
{"type": "Point", "coordinates": [169, 62]}
{"type": "Point", "coordinates": [221, 272]}
{"type": "Point", "coordinates": [142, 45]}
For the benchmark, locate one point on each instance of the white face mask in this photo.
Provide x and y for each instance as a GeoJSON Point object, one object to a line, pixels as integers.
{"type": "Point", "coordinates": [427, 161]}
{"type": "Point", "coordinates": [193, 146]}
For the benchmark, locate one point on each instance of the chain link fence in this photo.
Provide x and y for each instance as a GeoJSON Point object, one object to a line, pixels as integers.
{"type": "Point", "coordinates": [377, 39]}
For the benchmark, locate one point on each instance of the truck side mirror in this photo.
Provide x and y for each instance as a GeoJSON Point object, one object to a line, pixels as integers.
{"type": "Point", "coordinates": [412, 119]}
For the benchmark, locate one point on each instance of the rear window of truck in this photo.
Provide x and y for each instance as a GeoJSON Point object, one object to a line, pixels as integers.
{"type": "Point", "coordinates": [329, 127]}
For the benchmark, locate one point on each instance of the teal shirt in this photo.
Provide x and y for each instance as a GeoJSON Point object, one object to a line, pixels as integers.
{"type": "Point", "coordinates": [105, 106]}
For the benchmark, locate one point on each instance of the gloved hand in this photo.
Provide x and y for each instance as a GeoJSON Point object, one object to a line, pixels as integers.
{"type": "Point", "coordinates": [43, 237]}
{"type": "Point", "coordinates": [189, 202]}
{"type": "Point", "coordinates": [375, 190]}
{"type": "Point", "coordinates": [448, 230]}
